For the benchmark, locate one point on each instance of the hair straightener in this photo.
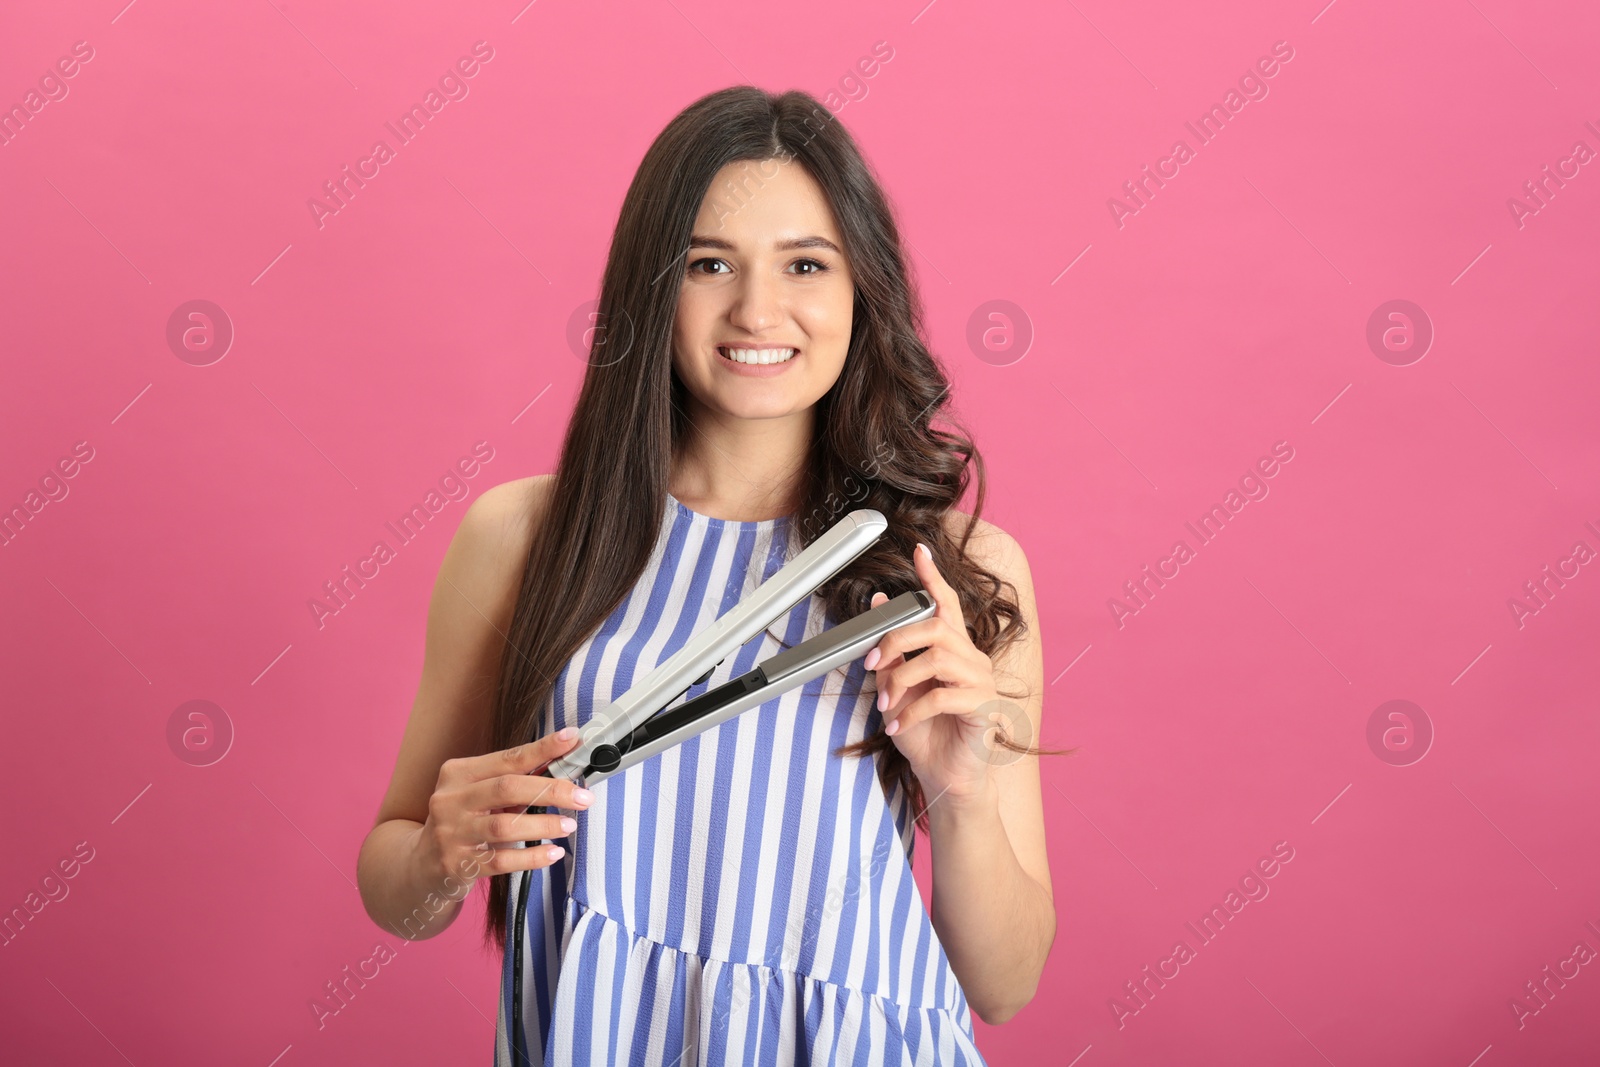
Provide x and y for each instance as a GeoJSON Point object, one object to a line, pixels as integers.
{"type": "Point", "coordinates": [632, 728]}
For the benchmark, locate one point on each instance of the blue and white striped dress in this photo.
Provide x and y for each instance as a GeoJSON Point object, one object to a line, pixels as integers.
{"type": "Point", "coordinates": [744, 897]}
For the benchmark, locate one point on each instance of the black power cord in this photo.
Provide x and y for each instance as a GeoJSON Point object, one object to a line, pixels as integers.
{"type": "Point", "coordinates": [604, 758]}
{"type": "Point", "coordinates": [517, 1045]}
{"type": "Point", "coordinates": [518, 1050]}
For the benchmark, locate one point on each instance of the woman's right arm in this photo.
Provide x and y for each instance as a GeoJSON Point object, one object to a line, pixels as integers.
{"type": "Point", "coordinates": [449, 805]}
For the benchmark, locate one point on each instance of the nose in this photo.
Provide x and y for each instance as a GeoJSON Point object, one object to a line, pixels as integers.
{"type": "Point", "coordinates": [758, 304]}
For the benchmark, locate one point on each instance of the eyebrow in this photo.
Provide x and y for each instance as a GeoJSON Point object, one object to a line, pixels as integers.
{"type": "Point", "coordinates": [698, 241]}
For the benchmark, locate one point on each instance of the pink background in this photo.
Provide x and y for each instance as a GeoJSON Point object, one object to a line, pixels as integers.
{"type": "Point", "coordinates": [1229, 313]}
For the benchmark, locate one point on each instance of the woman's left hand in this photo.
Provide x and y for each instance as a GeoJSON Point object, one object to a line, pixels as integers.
{"type": "Point", "coordinates": [941, 708]}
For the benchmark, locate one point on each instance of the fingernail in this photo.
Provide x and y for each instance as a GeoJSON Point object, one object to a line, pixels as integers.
{"type": "Point", "coordinates": [872, 659]}
{"type": "Point", "coordinates": [568, 825]}
{"type": "Point", "coordinates": [892, 728]}
{"type": "Point", "coordinates": [556, 852]}
{"type": "Point", "coordinates": [925, 551]}
{"type": "Point", "coordinates": [582, 796]}
{"type": "Point", "coordinates": [883, 700]}
{"type": "Point", "coordinates": [568, 733]}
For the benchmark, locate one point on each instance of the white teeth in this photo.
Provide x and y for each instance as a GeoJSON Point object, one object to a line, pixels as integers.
{"type": "Point", "coordinates": [757, 355]}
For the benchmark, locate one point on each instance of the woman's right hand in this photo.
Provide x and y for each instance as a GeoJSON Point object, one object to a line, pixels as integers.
{"type": "Point", "coordinates": [476, 813]}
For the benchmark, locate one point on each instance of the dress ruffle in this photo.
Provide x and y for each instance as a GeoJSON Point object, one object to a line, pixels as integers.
{"type": "Point", "coordinates": [623, 998]}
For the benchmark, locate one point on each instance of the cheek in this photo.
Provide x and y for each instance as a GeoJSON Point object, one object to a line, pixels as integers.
{"type": "Point", "coordinates": [691, 326]}
{"type": "Point", "coordinates": [826, 319]}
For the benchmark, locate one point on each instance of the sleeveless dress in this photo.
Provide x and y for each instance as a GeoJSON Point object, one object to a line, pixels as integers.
{"type": "Point", "coordinates": [746, 896]}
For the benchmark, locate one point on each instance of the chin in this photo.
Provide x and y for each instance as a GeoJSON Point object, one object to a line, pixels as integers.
{"type": "Point", "coordinates": [776, 410]}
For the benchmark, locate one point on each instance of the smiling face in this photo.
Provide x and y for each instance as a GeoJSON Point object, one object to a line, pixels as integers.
{"type": "Point", "coordinates": [764, 315]}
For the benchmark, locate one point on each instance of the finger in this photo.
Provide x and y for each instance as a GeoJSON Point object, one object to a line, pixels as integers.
{"type": "Point", "coordinates": [532, 858]}
{"type": "Point", "coordinates": [943, 595]}
{"type": "Point", "coordinates": [898, 642]}
{"type": "Point", "coordinates": [938, 701]}
{"type": "Point", "coordinates": [507, 828]}
{"type": "Point", "coordinates": [522, 791]}
{"type": "Point", "coordinates": [534, 756]}
{"type": "Point", "coordinates": [522, 759]}
{"type": "Point", "coordinates": [941, 664]}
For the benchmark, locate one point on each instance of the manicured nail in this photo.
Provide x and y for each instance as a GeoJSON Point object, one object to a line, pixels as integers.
{"type": "Point", "coordinates": [925, 551]}
{"type": "Point", "coordinates": [883, 700]}
{"type": "Point", "coordinates": [568, 733]}
{"type": "Point", "coordinates": [582, 796]}
{"type": "Point", "coordinates": [556, 852]}
{"type": "Point", "coordinates": [872, 659]}
{"type": "Point", "coordinates": [893, 728]}
{"type": "Point", "coordinates": [568, 825]}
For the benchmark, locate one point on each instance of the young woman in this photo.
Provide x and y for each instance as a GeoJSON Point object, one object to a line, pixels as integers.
{"type": "Point", "coordinates": [747, 895]}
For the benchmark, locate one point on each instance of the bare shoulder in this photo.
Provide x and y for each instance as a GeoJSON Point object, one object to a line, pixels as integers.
{"type": "Point", "coordinates": [993, 548]}
{"type": "Point", "coordinates": [485, 559]}
{"type": "Point", "coordinates": [510, 510]}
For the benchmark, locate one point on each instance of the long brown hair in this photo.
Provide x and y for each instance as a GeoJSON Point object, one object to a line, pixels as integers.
{"type": "Point", "coordinates": [874, 445]}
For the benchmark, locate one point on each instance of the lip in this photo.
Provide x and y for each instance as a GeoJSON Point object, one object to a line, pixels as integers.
{"type": "Point", "coordinates": [756, 370]}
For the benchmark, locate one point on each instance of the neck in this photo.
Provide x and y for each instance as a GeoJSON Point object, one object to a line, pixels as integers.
{"type": "Point", "coordinates": [742, 470]}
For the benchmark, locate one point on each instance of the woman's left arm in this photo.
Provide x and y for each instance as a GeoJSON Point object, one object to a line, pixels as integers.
{"type": "Point", "coordinates": [993, 906]}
